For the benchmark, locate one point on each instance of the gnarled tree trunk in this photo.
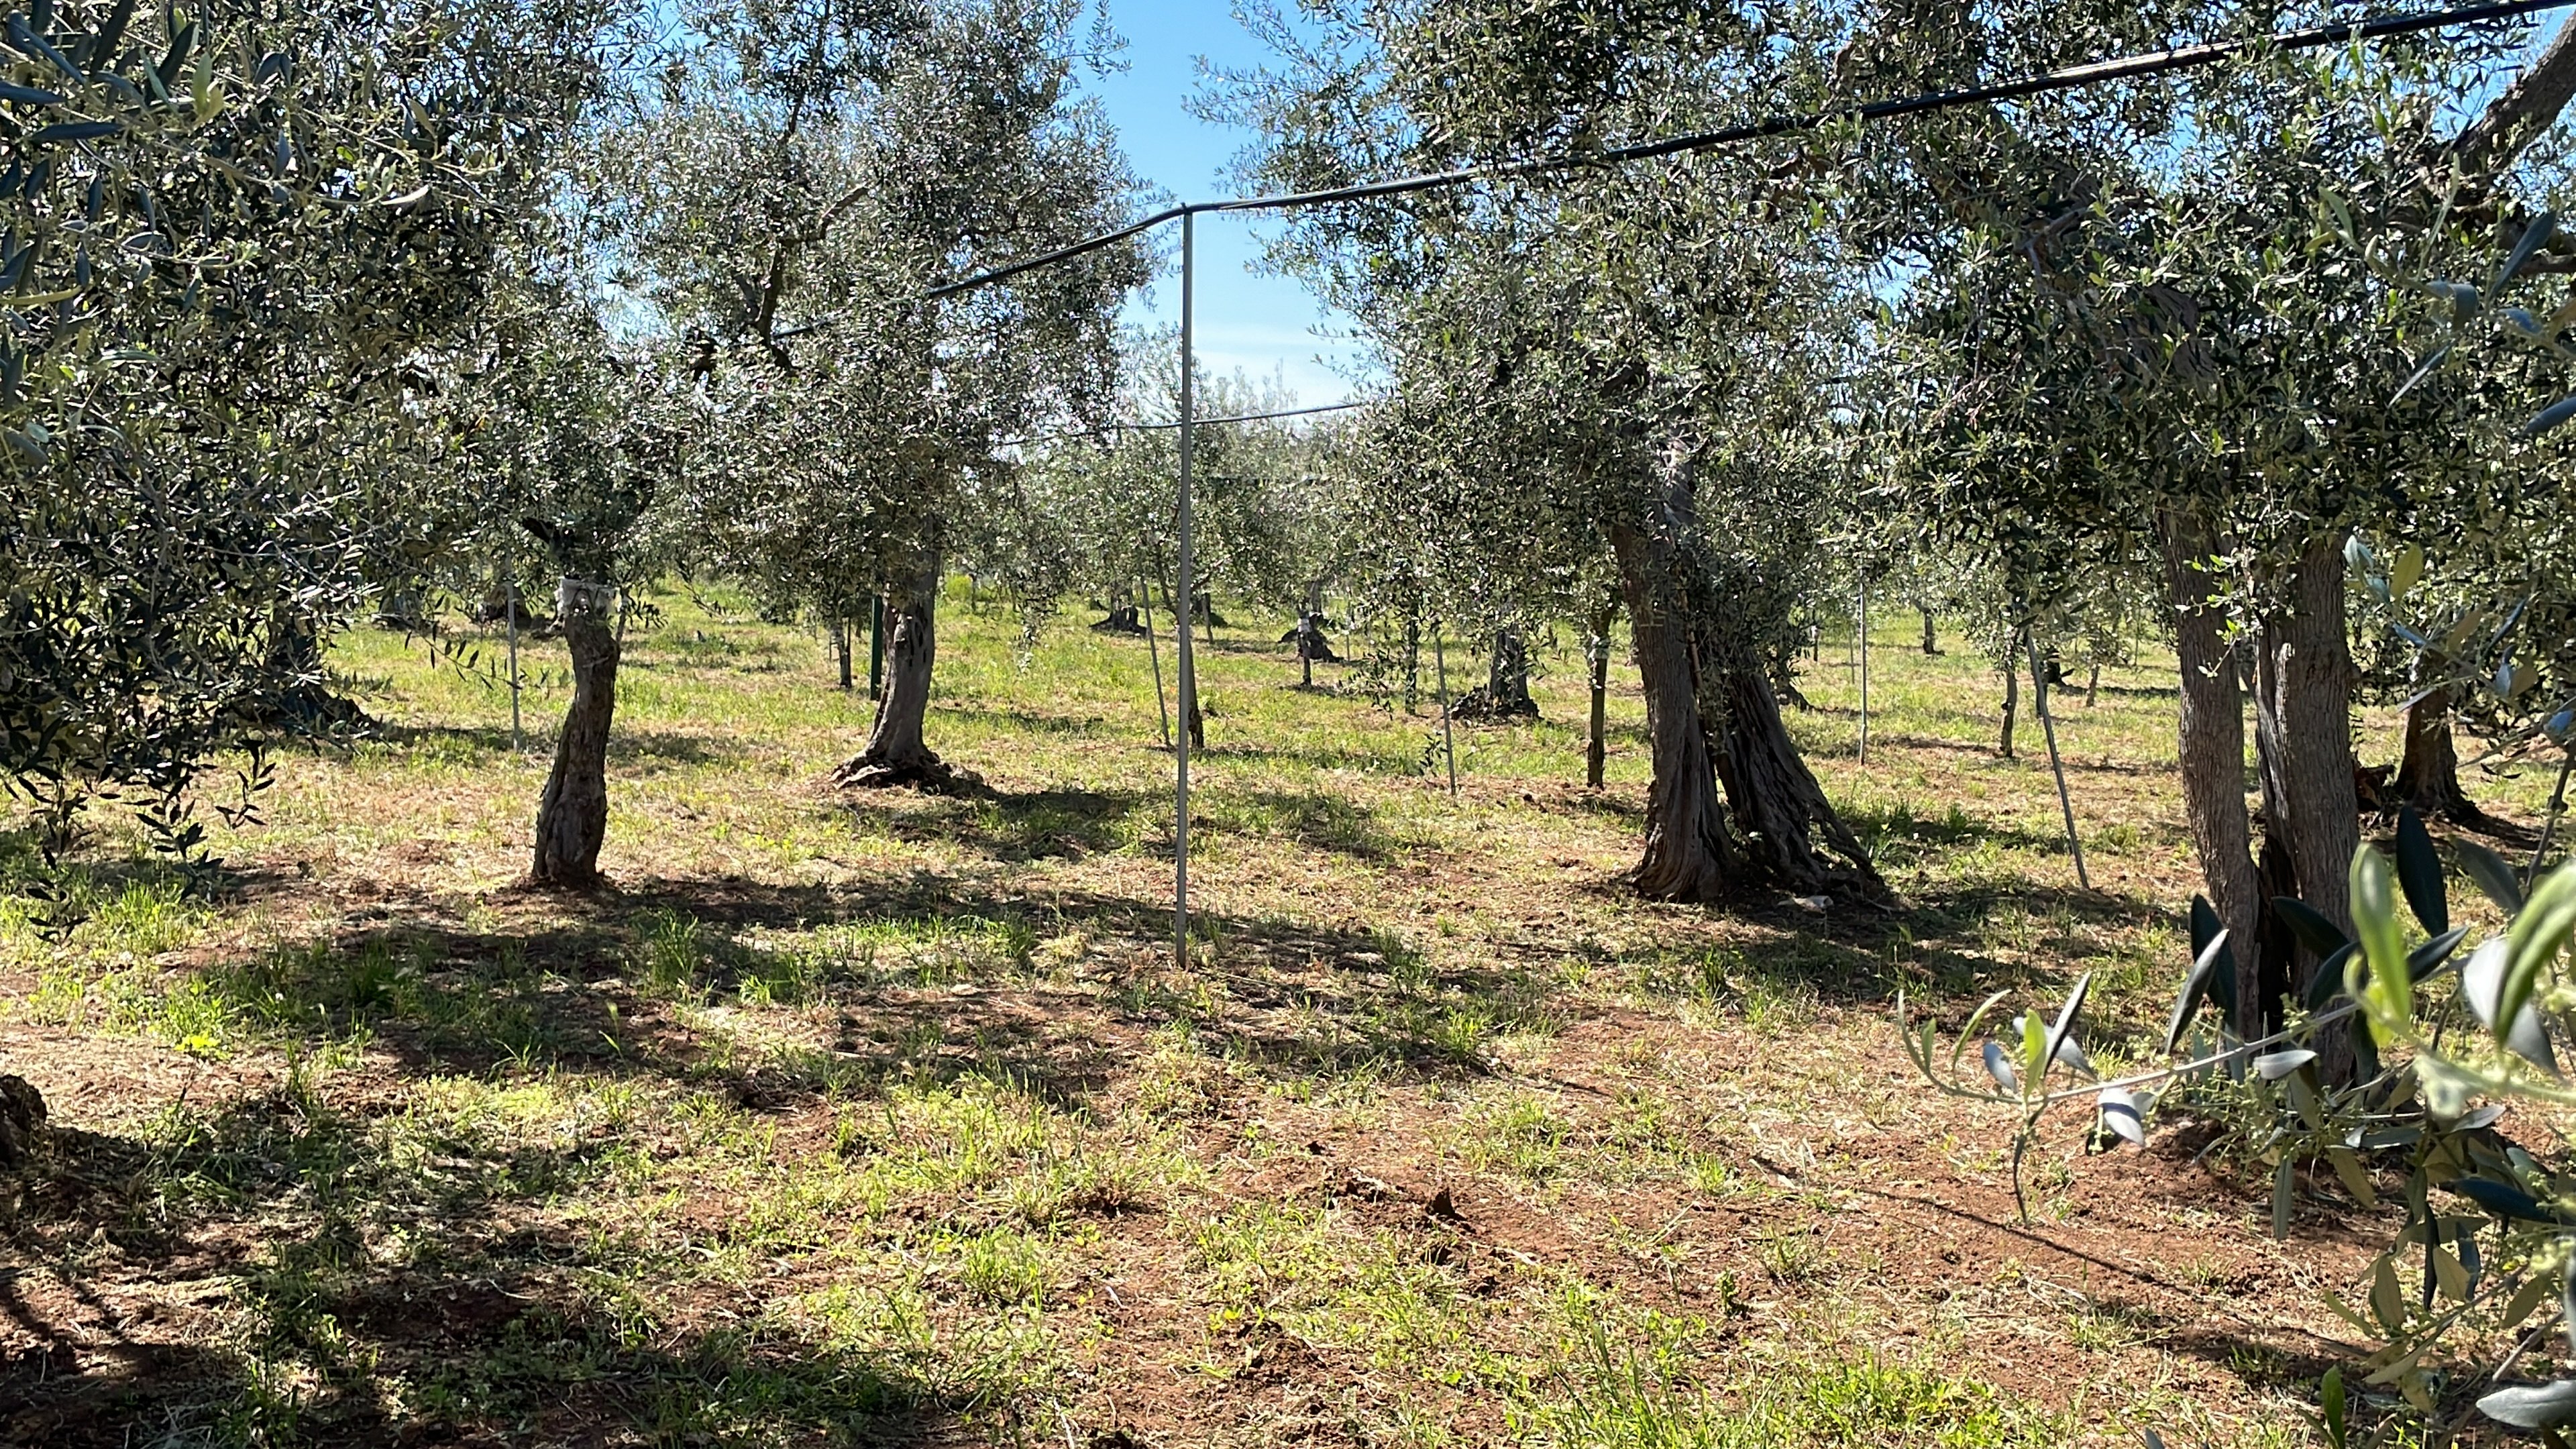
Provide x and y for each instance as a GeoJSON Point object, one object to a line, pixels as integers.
{"type": "Point", "coordinates": [1778, 805]}
{"type": "Point", "coordinates": [2210, 743]}
{"type": "Point", "coordinates": [2012, 701]}
{"type": "Point", "coordinates": [1710, 712]}
{"type": "Point", "coordinates": [1931, 646]}
{"type": "Point", "coordinates": [2428, 774]}
{"type": "Point", "coordinates": [1689, 854]}
{"type": "Point", "coordinates": [572, 813]}
{"type": "Point", "coordinates": [1596, 654]}
{"type": "Point", "coordinates": [2303, 736]}
{"type": "Point", "coordinates": [896, 753]}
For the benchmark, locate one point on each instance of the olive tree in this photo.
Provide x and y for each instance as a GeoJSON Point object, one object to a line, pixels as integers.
{"type": "Point", "coordinates": [1620, 365]}
{"type": "Point", "coordinates": [810, 173]}
{"type": "Point", "coordinates": [2156, 325]}
{"type": "Point", "coordinates": [235, 242]}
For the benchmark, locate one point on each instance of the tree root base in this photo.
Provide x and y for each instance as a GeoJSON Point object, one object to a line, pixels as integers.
{"type": "Point", "coordinates": [931, 776]}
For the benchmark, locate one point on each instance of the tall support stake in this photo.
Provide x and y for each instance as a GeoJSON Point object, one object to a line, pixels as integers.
{"type": "Point", "coordinates": [2057, 767]}
{"type": "Point", "coordinates": [876, 646]}
{"type": "Point", "coordinates": [1188, 575]}
{"type": "Point", "coordinates": [1448, 738]}
{"type": "Point", "coordinates": [1154, 651]}
{"type": "Point", "coordinates": [1864, 668]}
{"type": "Point", "coordinates": [2549, 826]}
{"type": "Point", "coordinates": [511, 606]}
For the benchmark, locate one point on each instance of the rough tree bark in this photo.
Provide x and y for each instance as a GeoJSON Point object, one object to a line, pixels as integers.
{"type": "Point", "coordinates": [1931, 646]}
{"type": "Point", "coordinates": [2428, 774]}
{"type": "Point", "coordinates": [572, 813]}
{"type": "Point", "coordinates": [1779, 807]}
{"type": "Point", "coordinates": [2303, 738]}
{"type": "Point", "coordinates": [896, 753]}
{"type": "Point", "coordinates": [2012, 700]}
{"type": "Point", "coordinates": [2210, 737]}
{"type": "Point", "coordinates": [1505, 692]}
{"type": "Point", "coordinates": [1710, 711]}
{"type": "Point", "coordinates": [1596, 654]}
{"type": "Point", "coordinates": [1689, 854]}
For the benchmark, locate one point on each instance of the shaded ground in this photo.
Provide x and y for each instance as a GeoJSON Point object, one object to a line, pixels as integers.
{"type": "Point", "coordinates": [892, 1120]}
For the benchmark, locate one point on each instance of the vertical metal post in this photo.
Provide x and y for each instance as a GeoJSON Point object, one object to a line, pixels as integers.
{"type": "Point", "coordinates": [1448, 740]}
{"type": "Point", "coordinates": [1154, 652]}
{"type": "Point", "coordinates": [1864, 668]}
{"type": "Point", "coordinates": [511, 603]}
{"type": "Point", "coordinates": [876, 648]}
{"type": "Point", "coordinates": [1188, 578]}
{"type": "Point", "coordinates": [2048, 727]}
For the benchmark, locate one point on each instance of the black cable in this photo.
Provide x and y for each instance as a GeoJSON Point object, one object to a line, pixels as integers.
{"type": "Point", "coordinates": [2128, 67]}
{"type": "Point", "coordinates": [1338, 407]}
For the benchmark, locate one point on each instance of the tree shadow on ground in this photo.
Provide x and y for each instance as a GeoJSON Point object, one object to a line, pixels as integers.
{"type": "Point", "coordinates": [509, 1330]}
{"type": "Point", "coordinates": [916, 979]}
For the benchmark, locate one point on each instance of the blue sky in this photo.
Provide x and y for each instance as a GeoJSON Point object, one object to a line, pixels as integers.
{"type": "Point", "coordinates": [1258, 324]}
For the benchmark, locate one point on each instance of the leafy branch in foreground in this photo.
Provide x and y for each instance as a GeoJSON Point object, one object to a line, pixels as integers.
{"type": "Point", "coordinates": [2484, 1266]}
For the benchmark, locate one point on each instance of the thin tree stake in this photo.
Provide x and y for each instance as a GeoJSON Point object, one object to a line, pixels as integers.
{"type": "Point", "coordinates": [1864, 668]}
{"type": "Point", "coordinates": [2549, 827]}
{"type": "Point", "coordinates": [2057, 767]}
{"type": "Point", "coordinates": [1448, 739]}
{"type": "Point", "coordinates": [1154, 651]}
{"type": "Point", "coordinates": [1188, 667]}
{"type": "Point", "coordinates": [511, 607]}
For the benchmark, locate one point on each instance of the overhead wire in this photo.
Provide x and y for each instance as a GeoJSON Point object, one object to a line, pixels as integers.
{"type": "Point", "coordinates": [2093, 73]}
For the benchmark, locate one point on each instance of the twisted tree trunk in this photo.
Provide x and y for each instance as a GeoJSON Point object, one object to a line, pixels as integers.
{"type": "Point", "coordinates": [572, 813]}
{"type": "Point", "coordinates": [1710, 711]}
{"type": "Point", "coordinates": [2428, 774]}
{"type": "Point", "coordinates": [2303, 736]}
{"type": "Point", "coordinates": [2012, 700]}
{"type": "Point", "coordinates": [1689, 854]}
{"type": "Point", "coordinates": [2210, 743]}
{"type": "Point", "coordinates": [896, 753]}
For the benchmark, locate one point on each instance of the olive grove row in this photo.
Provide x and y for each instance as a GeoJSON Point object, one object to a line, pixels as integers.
{"type": "Point", "coordinates": [314, 317]}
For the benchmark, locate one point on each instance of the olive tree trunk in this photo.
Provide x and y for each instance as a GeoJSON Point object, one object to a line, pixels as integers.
{"type": "Point", "coordinates": [2012, 698]}
{"type": "Point", "coordinates": [1689, 854]}
{"type": "Point", "coordinates": [895, 752]}
{"type": "Point", "coordinates": [1596, 654]}
{"type": "Point", "coordinates": [2428, 774]}
{"type": "Point", "coordinates": [1733, 807]}
{"type": "Point", "coordinates": [1931, 646]}
{"type": "Point", "coordinates": [1781, 811]}
{"type": "Point", "coordinates": [2210, 743]}
{"type": "Point", "coordinates": [572, 813]}
{"type": "Point", "coordinates": [2303, 738]}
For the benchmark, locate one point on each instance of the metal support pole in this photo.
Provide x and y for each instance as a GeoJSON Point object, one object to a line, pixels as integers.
{"type": "Point", "coordinates": [1188, 574]}
{"type": "Point", "coordinates": [1154, 651]}
{"type": "Point", "coordinates": [1864, 668]}
{"type": "Point", "coordinates": [1448, 738]}
{"type": "Point", "coordinates": [2549, 825]}
{"type": "Point", "coordinates": [876, 647]}
{"type": "Point", "coordinates": [2048, 727]}
{"type": "Point", "coordinates": [511, 604]}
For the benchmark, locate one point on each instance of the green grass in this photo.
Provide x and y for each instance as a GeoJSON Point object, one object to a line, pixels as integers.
{"type": "Point", "coordinates": [851, 1119]}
